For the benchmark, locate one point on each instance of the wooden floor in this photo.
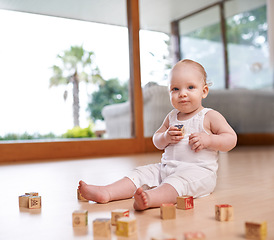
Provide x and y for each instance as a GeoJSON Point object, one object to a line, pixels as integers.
{"type": "Point", "coordinates": [245, 180]}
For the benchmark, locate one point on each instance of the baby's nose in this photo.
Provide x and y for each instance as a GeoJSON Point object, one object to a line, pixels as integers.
{"type": "Point", "coordinates": [183, 93]}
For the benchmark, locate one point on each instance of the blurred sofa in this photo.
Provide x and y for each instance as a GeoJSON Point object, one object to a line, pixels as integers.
{"type": "Point", "coordinates": [156, 107]}
{"type": "Point", "coordinates": [247, 111]}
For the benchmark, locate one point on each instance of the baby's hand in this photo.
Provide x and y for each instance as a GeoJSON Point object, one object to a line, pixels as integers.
{"type": "Point", "coordinates": [199, 141]}
{"type": "Point", "coordinates": [173, 135]}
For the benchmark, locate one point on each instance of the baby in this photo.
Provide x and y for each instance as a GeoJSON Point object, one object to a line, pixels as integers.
{"type": "Point", "coordinates": [189, 162]}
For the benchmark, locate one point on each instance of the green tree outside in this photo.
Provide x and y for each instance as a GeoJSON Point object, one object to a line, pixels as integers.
{"type": "Point", "coordinates": [110, 92]}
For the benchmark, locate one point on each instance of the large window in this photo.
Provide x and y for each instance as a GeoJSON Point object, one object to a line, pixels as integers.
{"type": "Point", "coordinates": [59, 73]}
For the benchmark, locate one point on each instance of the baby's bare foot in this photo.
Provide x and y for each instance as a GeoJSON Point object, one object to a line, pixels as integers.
{"type": "Point", "coordinates": [141, 200]}
{"type": "Point", "coordinates": [94, 193]}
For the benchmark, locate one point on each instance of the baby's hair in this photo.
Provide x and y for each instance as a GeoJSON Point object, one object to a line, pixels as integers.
{"type": "Point", "coordinates": [198, 66]}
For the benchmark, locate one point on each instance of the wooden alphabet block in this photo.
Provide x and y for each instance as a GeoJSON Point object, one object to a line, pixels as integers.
{"type": "Point", "coordinates": [168, 211]}
{"type": "Point", "coordinates": [185, 202]}
{"type": "Point", "coordinates": [194, 236]}
{"type": "Point", "coordinates": [101, 228]}
{"type": "Point", "coordinates": [34, 202]}
{"type": "Point", "coordinates": [256, 230]}
{"type": "Point", "coordinates": [118, 213]}
{"type": "Point", "coordinates": [181, 127]}
{"type": "Point", "coordinates": [80, 197]}
{"type": "Point", "coordinates": [80, 218]}
{"type": "Point", "coordinates": [126, 226]}
{"type": "Point", "coordinates": [224, 212]}
{"type": "Point", "coordinates": [24, 201]}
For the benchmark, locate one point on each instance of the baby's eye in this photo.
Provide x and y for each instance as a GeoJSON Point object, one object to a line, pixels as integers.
{"type": "Point", "coordinates": [175, 89]}
{"type": "Point", "coordinates": [191, 87]}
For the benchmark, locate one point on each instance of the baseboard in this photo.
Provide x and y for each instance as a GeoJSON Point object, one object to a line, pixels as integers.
{"type": "Point", "coordinates": [255, 139]}
{"type": "Point", "coordinates": [244, 139]}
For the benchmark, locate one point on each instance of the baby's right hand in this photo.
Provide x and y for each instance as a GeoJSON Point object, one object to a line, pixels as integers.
{"type": "Point", "coordinates": [173, 135]}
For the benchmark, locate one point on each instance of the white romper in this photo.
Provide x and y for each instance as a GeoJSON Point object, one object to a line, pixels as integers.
{"type": "Point", "coordinates": [190, 173]}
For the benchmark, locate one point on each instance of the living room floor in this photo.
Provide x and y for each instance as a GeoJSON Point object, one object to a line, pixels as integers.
{"type": "Point", "coordinates": [245, 181]}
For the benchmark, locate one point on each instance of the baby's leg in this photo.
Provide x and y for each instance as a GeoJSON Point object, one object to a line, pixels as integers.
{"type": "Point", "coordinates": [165, 193]}
{"type": "Point", "coordinates": [121, 189]}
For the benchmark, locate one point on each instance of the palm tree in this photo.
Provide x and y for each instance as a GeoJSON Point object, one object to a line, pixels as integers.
{"type": "Point", "coordinates": [76, 65]}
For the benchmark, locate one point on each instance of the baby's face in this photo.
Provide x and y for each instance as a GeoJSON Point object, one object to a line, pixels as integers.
{"type": "Point", "coordinates": [187, 88]}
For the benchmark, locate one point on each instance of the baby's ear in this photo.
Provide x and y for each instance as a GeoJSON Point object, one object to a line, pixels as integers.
{"type": "Point", "coordinates": [205, 91]}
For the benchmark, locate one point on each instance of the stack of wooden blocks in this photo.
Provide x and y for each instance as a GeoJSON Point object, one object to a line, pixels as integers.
{"type": "Point", "coordinates": [118, 213]}
{"type": "Point", "coordinates": [125, 225]}
{"type": "Point", "coordinates": [30, 200]}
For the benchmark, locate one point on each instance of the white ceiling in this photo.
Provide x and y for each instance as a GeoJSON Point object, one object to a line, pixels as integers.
{"type": "Point", "coordinates": [154, 14]}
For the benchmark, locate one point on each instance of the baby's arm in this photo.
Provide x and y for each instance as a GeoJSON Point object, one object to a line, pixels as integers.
{"type": "Point", "coordinates": [221, 138]}
{"type": "Point", "coordinates": [166, 135]}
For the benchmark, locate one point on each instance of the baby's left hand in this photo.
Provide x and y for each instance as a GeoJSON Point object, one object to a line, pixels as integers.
{"type": "Point", "coordinates": [199, 141]}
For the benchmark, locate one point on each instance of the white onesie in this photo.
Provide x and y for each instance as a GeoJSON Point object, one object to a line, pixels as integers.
{"type": "Point", "coordinates": [190, 173]}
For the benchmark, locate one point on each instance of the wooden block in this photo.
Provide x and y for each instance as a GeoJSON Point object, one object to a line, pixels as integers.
{"type": "Point", "coordinates": [256, 230]}
{"type": "Point", "coordinates": [126, 226]}
{"type": "Point", "coordinates": [224, 212]}
{"type": "Point", "coordinates": [182, 128]}
{"type": "Point", "coordinates": [80, 197]}
{"type": "Point", "coordinates": [101, 227]}
{"type": "Point", "coordinates": [118, 213]}
{"type": "Point", "coordinates": [80, 218]}
{"type": "Point", "coordinates": [185, 202]}
{"type": "Point", "coordinates": [32, 194]}
{"type": "Point", "coordinates": [168, 211]}
{"type": "Point", "coordinates": [194, 236]}
{"type": "Point", "coordinates": [24, 201]}
{"type": "Point", "coordinates": [34, 202]}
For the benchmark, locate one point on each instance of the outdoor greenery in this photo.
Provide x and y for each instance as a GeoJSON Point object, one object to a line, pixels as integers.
{"type": "Point", "coordinates": [110, 92]}
{"type": "Point", "coordinates": [27, 136]}
{"type": "Point", "coordinates": [243, 28]}
{"type": "Point", "coordinates": [75, 132]}
{"type": "Point", "coordinates": [78, 132]}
